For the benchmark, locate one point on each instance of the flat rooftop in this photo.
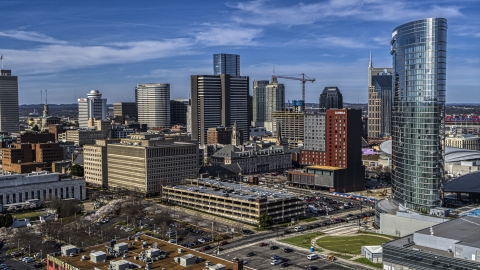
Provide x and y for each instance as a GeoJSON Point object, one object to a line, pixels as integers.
{"type": "Point", "coordinates": [325, 168]}
{"type": "Point", "coordinates": [242, 191]}
{"type": "Point", "coordinates": [135, 248]}
{"type": "Point", "coordinates": [464, 229]}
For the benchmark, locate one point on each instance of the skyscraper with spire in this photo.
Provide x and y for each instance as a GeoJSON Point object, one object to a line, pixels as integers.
{"type": "Point", "coordinates": [380, 101]}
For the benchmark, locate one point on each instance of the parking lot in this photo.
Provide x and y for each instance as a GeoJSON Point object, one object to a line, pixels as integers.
{"type": "Point", "coordinates": [262, 258]}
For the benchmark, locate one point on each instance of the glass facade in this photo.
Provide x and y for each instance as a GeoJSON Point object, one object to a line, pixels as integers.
{"type": "Point", "coordinates": [383, 86]}
{"type": "Point", "coordinates": [226, 64]}
{"type": "Point", "coordinates": [419, 69]}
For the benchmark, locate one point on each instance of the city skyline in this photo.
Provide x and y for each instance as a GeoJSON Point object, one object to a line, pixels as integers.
{"type": "Point", "coordinates": [112, 48]}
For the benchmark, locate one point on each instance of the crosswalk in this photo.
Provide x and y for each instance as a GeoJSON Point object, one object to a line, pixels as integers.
{"type": "Point", "coordinates": [341, 230]}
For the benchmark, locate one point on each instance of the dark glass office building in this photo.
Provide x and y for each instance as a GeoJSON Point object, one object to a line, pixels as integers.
{"type": "Point", "coordinates": [419, 50]}
{"type": "Point", "coordinates": [226, 64]}
{"type": "Point", "coordinates": [178, 111]}
{"type": "Point", "coordinates": [331, 98]}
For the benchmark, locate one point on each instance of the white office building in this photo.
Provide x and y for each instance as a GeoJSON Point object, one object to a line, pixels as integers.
{"type": "Point", "coordinates": [94, 106]}
{"type": "Point", "coordinates": [18, 188]}
{"type": "Point", "coordinates": [153, 102]}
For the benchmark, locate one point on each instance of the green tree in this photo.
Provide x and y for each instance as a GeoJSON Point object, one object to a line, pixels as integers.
{"type": "Point", "coordinates": [264, 220]}
{"type": "Point", "coordinates": [6, 220]}
{"type": "Point", "coordinates": [76, 170]}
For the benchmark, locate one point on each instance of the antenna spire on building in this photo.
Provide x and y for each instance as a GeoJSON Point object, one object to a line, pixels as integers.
{"type": "Point", "coordinates": [371, 62]}
{"type": "Point", "coordinates": [1, 58]}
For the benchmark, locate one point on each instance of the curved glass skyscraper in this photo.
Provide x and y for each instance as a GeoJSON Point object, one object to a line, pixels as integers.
{"type": "Point", "coordinates": [419, 81]}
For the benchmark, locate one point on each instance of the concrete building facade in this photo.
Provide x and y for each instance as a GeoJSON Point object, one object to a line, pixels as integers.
{"type": "Point", "coordinates": [292, 125]}
{"type": "Point", "coordinates": [95, 162]}
{"type": "Point", "coordinates": [242, 205]}
{"type": "Point", "coordinates": [253, 160]}
{"type": "Point", "coordinates": [464, 141]}
{"type": "Point", "coordinates": [17, 188]}
{"type": "Point", "coordinates": [144, 162]}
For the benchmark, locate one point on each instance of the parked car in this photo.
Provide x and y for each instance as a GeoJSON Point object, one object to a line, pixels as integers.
{"type": "Point", "coordinates": [285, 264]}
{"type": "Point", "coordinates": [298, 228]}
{"type": "Point", "coordinates": [312, 256]}
{"type": "Point", "coordinates": [250, 254]}
{"type": "Point", "coordinates": [287, 250]}
{"type": "Point", "coordinates": [275, 262]}
{"type": "Point", "coordinates": [275, 257]}
{"type": "Point", "coordinates": [223, 243]}
{"type": "Point", "coordinates": [262, 244]}
{"type": "Point", "coordinates": [273, 247]}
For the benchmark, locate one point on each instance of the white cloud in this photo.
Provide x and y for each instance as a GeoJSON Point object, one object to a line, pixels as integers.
{"type": "Point", "coordinates": [261, 12]}
{"type": "Point", "coordinates": [31, 36]}
{"type": "Point", "coordinates": [227, 35]}
{"type": "Point", "coordinates": [341, 42]}
{"type": "Point", "coordinates": [55, 58]}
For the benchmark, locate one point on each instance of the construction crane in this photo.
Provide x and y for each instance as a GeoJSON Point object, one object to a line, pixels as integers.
{"type": "Point", "coordinates": [301, 77]}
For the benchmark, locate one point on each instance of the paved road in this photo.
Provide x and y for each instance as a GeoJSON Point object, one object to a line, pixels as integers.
{"type": "Point", "coordinates": [12, 263]}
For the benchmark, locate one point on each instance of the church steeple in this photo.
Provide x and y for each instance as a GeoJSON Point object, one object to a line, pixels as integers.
{"type": "Point", "coordinates": [46, 111]}
{"type": "Point", "coordinates": [235, 135]}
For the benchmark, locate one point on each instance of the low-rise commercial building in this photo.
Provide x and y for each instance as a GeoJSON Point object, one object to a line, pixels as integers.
{"type": "Point", "coordinates": [143, 252]}
{"type": "Point", "coordinates": [17, 188]}
{"type": "Point", "coordinates": [464, 141]}
{"type": "Point", "coordinates": [253, 159]}
{"type": "Point", "coordinates": [450, 245]}
{"type": "Point", "coordinates": [144, 162]}
{"type": "Point", "coordinates": [242, 203]}
{"type": "Point", "coordinates": [327, 178]}
{"type": "Point", "coordinates": [26, 157]}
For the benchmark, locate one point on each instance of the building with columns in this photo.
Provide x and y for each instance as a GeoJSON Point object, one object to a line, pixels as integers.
{"type": "Point", "coordinates": [42, 185]}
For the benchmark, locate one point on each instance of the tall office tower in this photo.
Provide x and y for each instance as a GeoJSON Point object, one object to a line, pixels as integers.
{"type": "Point", "coordinates": [125, 111]}
{"type": "Point", "coordinates": [418, 121]}
{"type": "Point", "coordinates": [153, 102]}
{"type": "Point", "coordinates": [268, 98]}
{"type": "Point", "coordinates": [178, 111]}
{"type": "Point", "coordinates": [218, 100]}
{"type": "Point", "coordinates": [380, 101]}
{"type": "Point", "coordinates": [291, 121]}
{"type": "Point", "coordinates": [94, 106]}
{"type": "Point", "coordinates": [226, 64]}
{"type": "Point", "coordinates": [8, 101]}
{"type": "Point", "coordinates": [259, 96]}
{"type": "Point", "coordinates": [331, 98]}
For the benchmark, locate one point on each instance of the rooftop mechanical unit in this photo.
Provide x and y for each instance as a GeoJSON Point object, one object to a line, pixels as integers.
{"type": "Point", "coordinates": [120, 247]}
{"type": "Point", "coordinates": [217, 267]}
{"type": "Point", "coordinates": [153, 252]}
{"type": "Point", "coordinates": [69, 250]}
{"type": "Point", "coordinates": [120, 265]}
{"type": "Point", "coordinates": [98, 256]}
{"type": "Point", "coordinates": [187, 260]}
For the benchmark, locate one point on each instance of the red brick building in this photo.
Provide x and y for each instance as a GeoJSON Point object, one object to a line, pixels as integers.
{"type": "Point", "coordinates": [340, 152]}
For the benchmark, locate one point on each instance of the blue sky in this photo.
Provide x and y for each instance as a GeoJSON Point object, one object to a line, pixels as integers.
{"type": "Point", "coordinates": [71, 47]}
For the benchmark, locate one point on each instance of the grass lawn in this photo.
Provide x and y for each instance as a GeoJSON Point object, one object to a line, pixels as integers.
{"type": "Point", "coordinates": [301, 240]}
{"type": "Point", "coordinates": [25, 215]}
{"type": "Point", "coordinates": [349, 244]}
{"type": "Point", "coordinates": [343, 256]}
{"type": "Point", "coordinates": [309, 219]}
{"type": "Point", "coordinates": [367, 262]}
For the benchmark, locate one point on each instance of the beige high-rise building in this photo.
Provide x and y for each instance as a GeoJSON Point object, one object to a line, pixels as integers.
{"type": "Point", "coordinates": [292, 124]}
{"type": "Point", "coordinates": [95, 162]}
{"type": "Point", "coordinates": [144, 162]}
{"type": "Point", "coordinates": [380, 101]}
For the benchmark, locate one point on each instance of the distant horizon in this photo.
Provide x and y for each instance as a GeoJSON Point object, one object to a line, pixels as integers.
{"type": "Point", "coordinates": [350, 103]}
{"type": "Point", "coordinates": [72, 47]}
